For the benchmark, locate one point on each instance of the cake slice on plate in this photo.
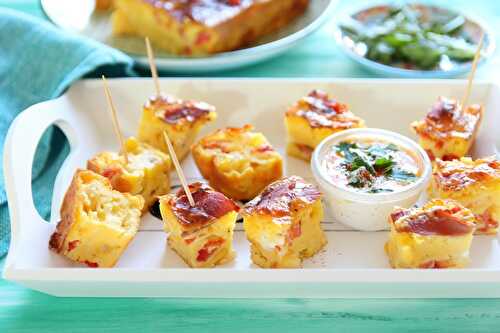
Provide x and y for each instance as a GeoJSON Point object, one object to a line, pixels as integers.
{"type": "Point", "coordinates": [200, 27]}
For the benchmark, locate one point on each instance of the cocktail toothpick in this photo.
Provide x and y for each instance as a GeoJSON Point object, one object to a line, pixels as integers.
{"type": "Point", "coordinates": [116, 124]}
{"type": "Point", "coordinates": [465, 99]}
{"type": "Point", "coordinates": [180, 173]}
{"type": "Point", "coordinates": [175, 160]}
{"type": "Point", "coordinates": [152, 66]}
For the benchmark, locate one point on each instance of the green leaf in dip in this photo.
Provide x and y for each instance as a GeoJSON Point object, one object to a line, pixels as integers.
{"type": "Point", "coordinates": [383, 164]}
{"type": "Point", "coordinates": [401, 175]}
{"type": "Point", "coordinates": [366, 165]}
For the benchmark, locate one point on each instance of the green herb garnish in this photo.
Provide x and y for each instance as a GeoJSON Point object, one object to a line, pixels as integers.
{"type": "Point", "coordinates": [361, 161]}
{"type": "Point", "coordinates": [401, 175]}
{"type": "Point", "coordinates": [345, 149]}
{"type": "Point", "coordinates": [364, 163]}
{"type": "Point", "coordinates": [383, 164]}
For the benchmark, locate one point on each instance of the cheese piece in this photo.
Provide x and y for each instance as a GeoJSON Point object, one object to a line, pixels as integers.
{"type": "Point", "coordinates": [283, 224]}
{"type": "Point", "coordinates": [438, 235]}
{"type": "Point", "coordinates": [201, 235]}
{"type": "Point", "coordinates": [448, 131]}
{"type": "Point", "coordinates": [312, 119]}
{"type": "Point", "coordinates": [237, 161]}
{"type": "Point", "coordinates": [182, 120]}
{"type": "Point", "coordinates": [97, 222]}
{"type": "Point", "coordinates": [473, 183]}
{"type": "Point", "coordinates": [147, 172]}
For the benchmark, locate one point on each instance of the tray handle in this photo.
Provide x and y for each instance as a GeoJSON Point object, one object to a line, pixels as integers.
{"type": "Point", "coordinates": [20, 146]}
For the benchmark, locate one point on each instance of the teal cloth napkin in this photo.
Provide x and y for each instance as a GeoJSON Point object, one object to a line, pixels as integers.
{"type": "Point", "coordinates": [38, 62]}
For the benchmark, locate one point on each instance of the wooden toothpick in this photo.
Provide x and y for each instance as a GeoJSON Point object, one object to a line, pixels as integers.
{"type": "Point", "coordinates": [152, 66]}
{"type": "Point", "coordinates": [465, 99]}
{"type": "Point", "coordinates": [178, 168]}
{"type": "Point", "coordinates": [116, 124]}
{"type": "Point", "coordinates": [175, 160]}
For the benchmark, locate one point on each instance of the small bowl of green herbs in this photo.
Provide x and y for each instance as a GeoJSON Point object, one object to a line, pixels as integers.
{"type": "Point", "coordinates": [413, 40]}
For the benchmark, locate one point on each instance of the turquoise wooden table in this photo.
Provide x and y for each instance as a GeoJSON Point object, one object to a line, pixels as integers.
{"type": "Point", "coordinates": [23, 310]}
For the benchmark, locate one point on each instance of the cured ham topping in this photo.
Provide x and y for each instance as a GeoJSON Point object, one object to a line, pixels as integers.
{"type": "Point", "coordinates": [396, 215]}
{"type": "Point", "coordinates": [457, 175]}
{"type": "Point", "coordinates": [436, 222]}
{"type": "Point", "coordinates": [448, 119]}
{"type": "Point", "coordinates": [173, 110]}
{"type": "Point", "coordinates": [321, 111]}
{"type": "Point", "coordinates": [209, 205]}
{"type": "Point", "coordinates": [279, 198]}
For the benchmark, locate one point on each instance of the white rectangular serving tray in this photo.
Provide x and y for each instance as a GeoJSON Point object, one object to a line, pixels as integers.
{"type": "Point", "coordinates": [352, 265]}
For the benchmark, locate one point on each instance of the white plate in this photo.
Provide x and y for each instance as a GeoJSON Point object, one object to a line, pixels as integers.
{"type": "Point", "coordinates": [79, 15]}
{"type": "Point", "coordinates": [352, 265]}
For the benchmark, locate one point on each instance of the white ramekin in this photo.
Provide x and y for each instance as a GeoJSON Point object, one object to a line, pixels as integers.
{"type": "Point", "coordinates": [368, 211]}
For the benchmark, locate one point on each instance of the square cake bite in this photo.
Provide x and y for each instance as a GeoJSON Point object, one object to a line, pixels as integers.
{"type": "Point", "coordinates": [312, 119]}
{"type": "Point", "coordinates": [147, 171]}
{"type": "Point", "coordinates": [237, 161]}
{"type": "Point", "coordinates": [437, 235]}
{"type": "Point", "coordinates": [182, 120]}
{"type": "Point", "coordinates": [283, 224]}
{"type": "Point", "coordinates": [97, 222]}
{"type": "Point", "coordinates": [448, 130]}
{"type": "Point", "coordinates": [473, 183]}
{"type": "Point", "coordinates": [200, 27]}
{"type": "Point", "coordinates": [202, 235]}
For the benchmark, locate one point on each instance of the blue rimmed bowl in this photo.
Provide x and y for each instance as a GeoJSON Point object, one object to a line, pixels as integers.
{"type": "Point", "coordinates": [357, 51]}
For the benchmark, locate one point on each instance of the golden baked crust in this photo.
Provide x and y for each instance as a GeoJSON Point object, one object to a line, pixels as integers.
{"type": "Point", "coordinates": [283, 224]}
{"type": "Point", "coordinates": [437, 235]}
{"type": "Point", "coordinates": [203, 27]}
{"type": "Point", "coordinates": [103, 4]}
{"type": "Point", "coordinates": [202, 234]}
{"type": "Point", "coordinates": [448, 131]}
{"type": "Point", "coordinates": [147, 172]}
{"type": "Point", "coordinates": [237, 161]}
{"type": "Point", "coordinates": [473, 183]}
{"type": "Point", "coordinates": [182, 120]}
{"type": "Point", "coordinates": [97, 222]}
{"type": "Point", "coordinates": [312, 119]}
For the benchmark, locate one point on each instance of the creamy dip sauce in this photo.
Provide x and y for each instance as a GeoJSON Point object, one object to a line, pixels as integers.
{"type": "Point", "coordinates": [371, 166]}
